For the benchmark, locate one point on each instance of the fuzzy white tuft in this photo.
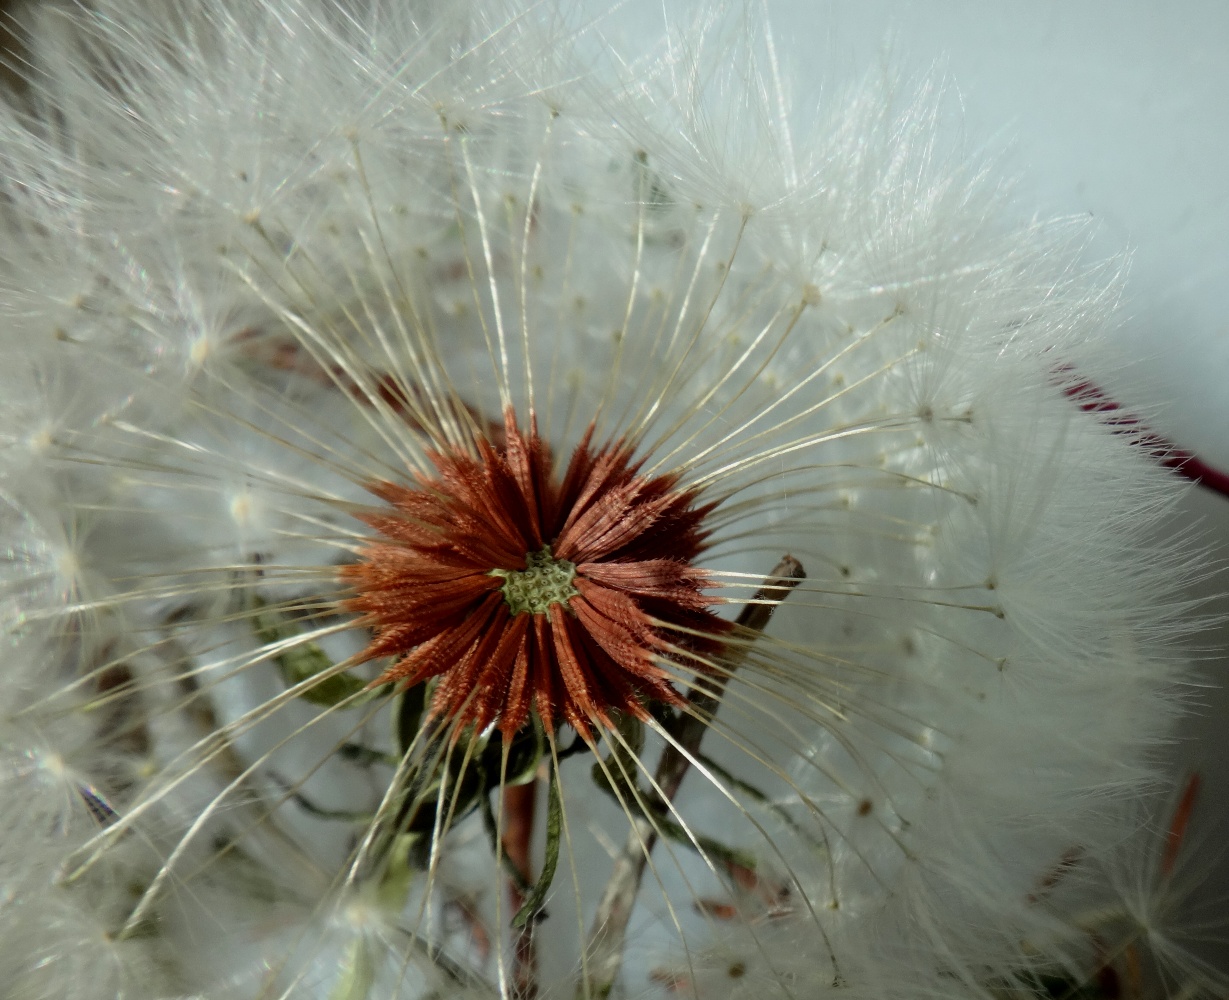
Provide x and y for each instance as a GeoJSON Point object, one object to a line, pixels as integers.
{"type": "Point", "coordinates": [256, 254]}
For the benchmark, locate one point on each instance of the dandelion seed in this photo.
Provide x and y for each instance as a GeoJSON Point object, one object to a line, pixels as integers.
{"type": "Point", "coordinates": [1151, 932]}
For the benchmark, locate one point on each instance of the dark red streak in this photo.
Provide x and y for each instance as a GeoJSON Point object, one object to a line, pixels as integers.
{"type": "Point", "coordinates": [1092, 399]}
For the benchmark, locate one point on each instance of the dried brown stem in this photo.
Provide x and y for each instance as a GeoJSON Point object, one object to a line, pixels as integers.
{"type": "Point", "coordinates": [605, 944]}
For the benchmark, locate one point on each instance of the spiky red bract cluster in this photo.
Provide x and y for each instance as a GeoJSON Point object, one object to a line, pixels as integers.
{"type": "Point", "coordinates": [430, 592]}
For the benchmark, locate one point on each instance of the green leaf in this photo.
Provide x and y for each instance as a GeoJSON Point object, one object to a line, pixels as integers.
{"type": "Point", "coordinates": [357, 973]}
{"type": "Point", "coordinates": [399, 867]}
{"type": "Point", "coordinates": [303, 662]}
{"type": "Point", "coordinates": [308, 661]}
{"type": "Point", "coordinates": [554, 833]}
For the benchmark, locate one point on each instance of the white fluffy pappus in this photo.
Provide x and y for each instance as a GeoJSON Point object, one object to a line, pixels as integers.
{"type": "Point", "coordinates": [283, 251]}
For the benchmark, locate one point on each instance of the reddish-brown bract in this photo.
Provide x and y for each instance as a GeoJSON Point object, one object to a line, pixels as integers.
{"type": "Point", "coordinates": [428, 589]}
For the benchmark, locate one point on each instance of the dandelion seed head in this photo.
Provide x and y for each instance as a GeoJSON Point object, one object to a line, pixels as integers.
{"type": "Point", "coordinates": [521, 585]}
{"type": "Point", "coordinates": [510, 533]}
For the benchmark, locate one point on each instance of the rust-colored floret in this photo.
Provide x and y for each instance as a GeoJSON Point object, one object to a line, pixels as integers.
{"type": "Point", "coordinates": [519, 589]}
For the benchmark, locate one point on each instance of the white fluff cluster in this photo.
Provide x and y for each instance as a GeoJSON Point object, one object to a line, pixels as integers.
{"type": "Point", "coordinates": [248, 247]}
